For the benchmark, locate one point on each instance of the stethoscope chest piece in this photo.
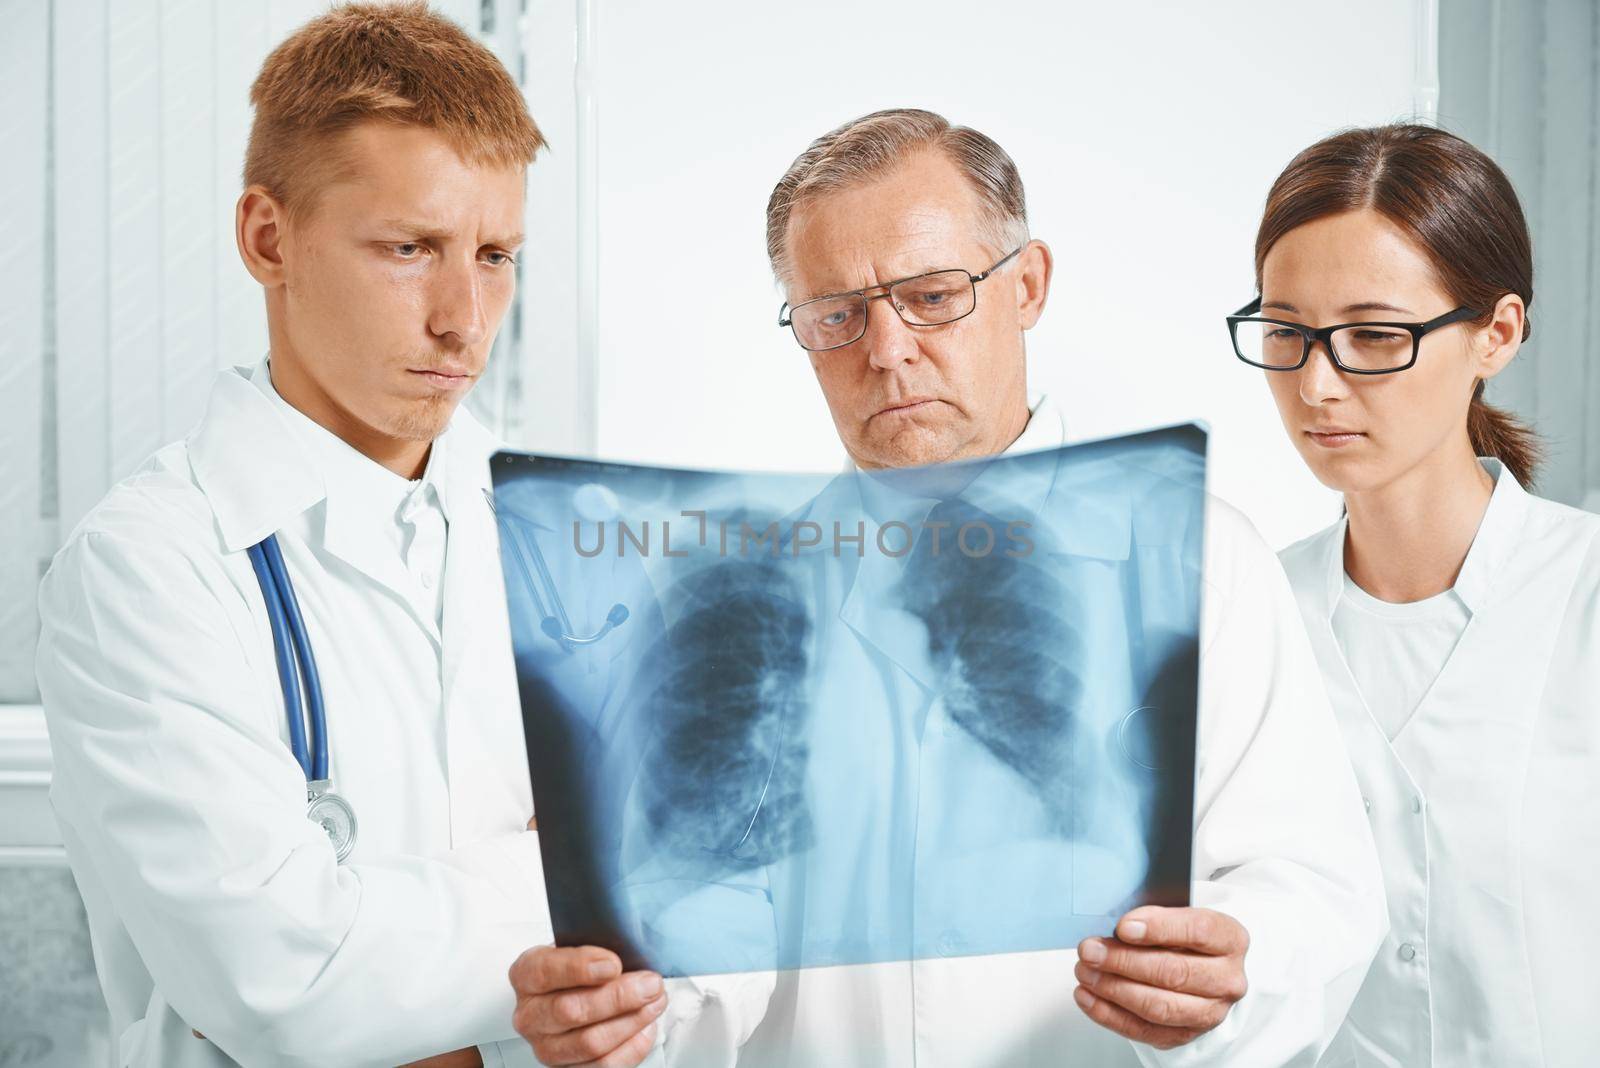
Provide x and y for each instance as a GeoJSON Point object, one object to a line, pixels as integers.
{"type": "Point", "coordinates": [1138, 734]}
{"type": "Point", "coordinates": [334, 815]}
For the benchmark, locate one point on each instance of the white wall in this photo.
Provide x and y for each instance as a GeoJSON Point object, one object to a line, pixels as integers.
{"type": "Point", "coordinates": [1147, 135]}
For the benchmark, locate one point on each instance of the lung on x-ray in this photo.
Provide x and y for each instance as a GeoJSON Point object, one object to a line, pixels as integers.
{"type": "Point", "coordinates": [783, 721]}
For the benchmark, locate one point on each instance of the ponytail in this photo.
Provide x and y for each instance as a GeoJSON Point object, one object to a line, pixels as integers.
{"type": "Point", "coordinates": [1496, 432]}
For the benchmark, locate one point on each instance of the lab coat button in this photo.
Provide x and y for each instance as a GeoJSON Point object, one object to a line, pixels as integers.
{"type": "Point", "coordinates": [1416, 804]}
{"type": "Point", "coordinates": [1368, 802]}
{"type": "Point", "coordinates": [1408, 951]}
{"type": "Point", "coordinates": [427, 580]}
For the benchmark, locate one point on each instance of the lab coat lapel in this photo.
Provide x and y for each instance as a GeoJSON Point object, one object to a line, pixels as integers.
{"type": "Point", "coordinates": [1490, 579]}
{"type": "Point", "coordinates": [483, 716]}
{"type": "Point", "coordinates": [474, 590]}
{"type": "Point", "coordinates": [1480, 702]}
{"type": "Point", "coordinates": [258, 476]}
{"type": "Point", "coordinates": [1507, 612]}
{"type": "Point", "coordinates": [1350, 705]}
{"type": "Point", "coordinates": [249, 464]}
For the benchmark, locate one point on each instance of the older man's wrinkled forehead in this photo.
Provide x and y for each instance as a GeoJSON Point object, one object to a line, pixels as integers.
{"type": "Point", "coordinates": [921, 216]}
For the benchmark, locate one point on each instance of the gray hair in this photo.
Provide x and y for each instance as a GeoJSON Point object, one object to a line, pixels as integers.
{"type": "Point", "coordinates": [874, 144]}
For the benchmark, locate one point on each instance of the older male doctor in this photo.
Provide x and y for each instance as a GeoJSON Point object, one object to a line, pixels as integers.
{"type": "Point", "coordinates": [1287, 895]}
{"type": "Point", "coordinates": [383, 210]}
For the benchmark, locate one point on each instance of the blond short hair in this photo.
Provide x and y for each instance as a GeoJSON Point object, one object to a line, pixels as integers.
{"type": "Point", "coordinates": [399, 63]}
{"type": "Point", "coordinates": [868, 147]}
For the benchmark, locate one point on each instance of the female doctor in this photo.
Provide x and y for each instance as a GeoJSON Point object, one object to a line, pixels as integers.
{"type": "Point", "coordinates": [1456, 617]}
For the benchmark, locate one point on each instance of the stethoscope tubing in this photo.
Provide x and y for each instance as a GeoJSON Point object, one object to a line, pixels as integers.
{"type": "Point", "coordinates": [289, 640]}
{"type": "Point", "coordinates": [556, 625]}
{"type": "Point", "coordinates": [283, 652]}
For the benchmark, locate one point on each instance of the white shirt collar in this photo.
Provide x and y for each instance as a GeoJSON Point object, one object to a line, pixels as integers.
{"type": "Point", "coordinates": [348, 472]}
{"type": "Point", "coordinates": [258, 469]}
{"type": "Point", "coordinates": [1496, 539]}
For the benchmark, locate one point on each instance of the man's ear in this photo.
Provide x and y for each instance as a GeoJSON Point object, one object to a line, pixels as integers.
{"type": "Point", "coordinates": [1499, 342]}
{"type": "Point", "coordinates": [1034, 267]}
{"type": "Point", "coordinates": [258, 227]}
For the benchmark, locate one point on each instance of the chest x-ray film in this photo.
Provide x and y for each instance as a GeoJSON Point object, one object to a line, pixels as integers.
{"type": "Point", "coordinates": [780, 721]}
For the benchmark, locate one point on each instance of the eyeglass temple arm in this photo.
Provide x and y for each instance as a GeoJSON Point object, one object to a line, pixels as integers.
{"type": "Point", "coordinates": [1450, 318]}
{"type": "Point", "coordinates": [1251, 308]}
{"type": "Point", "coordinates": [1007, 258]}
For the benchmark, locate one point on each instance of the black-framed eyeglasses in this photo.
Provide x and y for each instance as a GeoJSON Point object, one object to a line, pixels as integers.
{"type": "Point", "coordinates": [932, 299]}
{"type": "Point", "coordinates": [1368, 348]}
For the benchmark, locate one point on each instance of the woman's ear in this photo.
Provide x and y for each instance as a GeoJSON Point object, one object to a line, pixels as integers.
{"type": "Point", "coordinates": [1502, 337]}
{"type": "Point", "coordinates": [1033, 281]}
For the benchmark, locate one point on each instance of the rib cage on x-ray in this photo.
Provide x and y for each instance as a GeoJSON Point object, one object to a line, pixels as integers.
{"type": "Point", "coordinates": [722, 781]}
{"type": "Point", "coordinates": [1004, 635]}
{"type": "Point", "coordinates": [791, 756]}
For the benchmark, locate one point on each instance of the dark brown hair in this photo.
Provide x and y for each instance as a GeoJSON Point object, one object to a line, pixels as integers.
{"type": "Point", "coordinates": [1456, 204]}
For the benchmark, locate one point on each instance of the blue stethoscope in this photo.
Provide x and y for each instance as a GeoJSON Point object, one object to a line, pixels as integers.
{"type": "Point", "coordinates": [292, 649]}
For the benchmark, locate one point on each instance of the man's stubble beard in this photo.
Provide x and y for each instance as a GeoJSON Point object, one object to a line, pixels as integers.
{"type": "Point", "coordinates": [918, 446]}
{"type": "Point", "coordinates": [423, 420]}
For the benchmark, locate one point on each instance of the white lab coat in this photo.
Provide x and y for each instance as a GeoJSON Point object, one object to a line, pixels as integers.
{"type": "Point", "coordinates": [213, 902]}
{"type": "Point", "coordinates": [1485, 805]}
{"type": "Point", "coordinates": [1280, 844]}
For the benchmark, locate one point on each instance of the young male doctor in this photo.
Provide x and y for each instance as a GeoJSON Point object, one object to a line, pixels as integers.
{"type": "Point", "coordinates": [382, 214]}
